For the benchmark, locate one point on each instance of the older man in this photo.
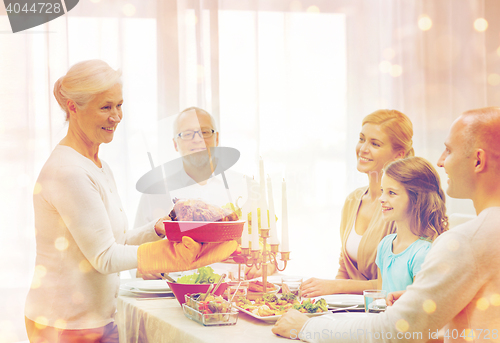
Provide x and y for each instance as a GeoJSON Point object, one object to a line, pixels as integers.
{"type": "Point", "coordinates": [195, 131]}
{"type": "Point", "coordinates": [458, 287]}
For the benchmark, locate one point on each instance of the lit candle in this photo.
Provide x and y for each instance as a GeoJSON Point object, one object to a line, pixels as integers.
{"type": "Point", "coordinates": [245, 237]}
{"type": "Point", "coordinates": [255, 217]}
{"type": "Point", "coordinates": [264, 223]}
{"type": "Point", "coordinates": [272, 215]}
{"type": "Point", "coordinates": [284, 221]}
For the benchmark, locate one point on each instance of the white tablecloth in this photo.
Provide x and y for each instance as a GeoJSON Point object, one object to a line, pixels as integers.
{"type": "Point", "coordinates": [162, 320]}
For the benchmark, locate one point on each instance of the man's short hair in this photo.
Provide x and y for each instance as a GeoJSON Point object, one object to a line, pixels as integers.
{"type": "Point", "coordinates": [197, 111]}
{"type": "Point", "coordinates": [483, 131]}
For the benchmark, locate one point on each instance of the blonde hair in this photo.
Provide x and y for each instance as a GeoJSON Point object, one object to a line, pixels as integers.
{"type": "Point", "coordinates": [83, 82]}
{"type": "Point", "coordinates": [397, 126]}
{"type": "Point", "coordinates": [427, 199]}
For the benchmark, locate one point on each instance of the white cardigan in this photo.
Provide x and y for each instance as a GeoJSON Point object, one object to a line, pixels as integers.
{"type": "Point", "coordinates": [82, 243]}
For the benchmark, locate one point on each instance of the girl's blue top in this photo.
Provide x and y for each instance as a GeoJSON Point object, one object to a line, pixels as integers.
{"type": "Point", "coordinates": [398, 270]}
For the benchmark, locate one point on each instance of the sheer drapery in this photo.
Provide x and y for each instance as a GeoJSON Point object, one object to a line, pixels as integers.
{"type": "Point", "coordinates": [287, 80]}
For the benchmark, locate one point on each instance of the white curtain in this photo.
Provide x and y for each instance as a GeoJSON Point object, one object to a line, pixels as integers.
{"type": "Point", "coordinates": [287, 80]}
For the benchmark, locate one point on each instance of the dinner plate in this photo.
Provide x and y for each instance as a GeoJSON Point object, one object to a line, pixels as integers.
{"type": "Point", "coordinates": [149, 285]}
{"type": "Point", "coordinates": [344, 300]}
{"type": "Point", "coordinates": [272, 319]}
{"type": "Point", "coordinates": [146, 287]}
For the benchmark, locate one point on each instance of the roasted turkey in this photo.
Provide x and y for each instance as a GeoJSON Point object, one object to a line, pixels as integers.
{"type": "Point", "coordinates": [198, 210]}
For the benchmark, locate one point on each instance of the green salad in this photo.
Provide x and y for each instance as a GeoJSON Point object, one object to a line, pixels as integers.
{"type": "Point", "coordinates": [204, 275]}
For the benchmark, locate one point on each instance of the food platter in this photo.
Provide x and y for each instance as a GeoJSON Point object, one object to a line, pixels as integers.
{"type": "Point", "coordinates": [142, 287]}
{"type": "Point", "coordinates": [272, 319]}
{"type": "Point", "coordinates": [255, 295]}
{"type": "Point", "coordinates": [275, 279]}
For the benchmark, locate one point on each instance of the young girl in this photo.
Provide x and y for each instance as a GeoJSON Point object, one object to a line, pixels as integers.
{"type": "Point", "coordinates": [411, 197]}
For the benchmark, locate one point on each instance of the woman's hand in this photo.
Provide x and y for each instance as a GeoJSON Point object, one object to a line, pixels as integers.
{"type": "Point", "coordinates": [290, 324]}
{"type": "Point", "coordinates": [316, 287]}
{"type": "Point", "coordinates": [254, 272]}
{"type": "Point", "coordinates": [160, 228]}
{"type": "Point", "coordinates": [156, 276]}
{"type": "Point", "coordinates": [392, 297]}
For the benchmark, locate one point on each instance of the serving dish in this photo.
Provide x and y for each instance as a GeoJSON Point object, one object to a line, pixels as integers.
{"type": "Point", "coordinates": [203, 232]}
{"type": "Point", "coordinates": [211, 319]}
{"type": "Point", "coordinates": [275, 279]}
{"type": "Point", "coordinates": [181, 289]}
{"type": "Point", "coordinates": [272, 319]}
{"type": "Point", "coordinates": [256, 295]}
{"type": "Point", "coordinates": [213, 302]}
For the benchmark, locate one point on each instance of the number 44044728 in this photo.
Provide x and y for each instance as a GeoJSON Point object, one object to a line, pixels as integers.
{"type": "Point", "coordinates": [35, 8]}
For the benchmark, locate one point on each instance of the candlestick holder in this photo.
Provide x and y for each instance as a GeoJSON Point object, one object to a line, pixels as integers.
{"type": "Point", "coordinates": [262, 258]}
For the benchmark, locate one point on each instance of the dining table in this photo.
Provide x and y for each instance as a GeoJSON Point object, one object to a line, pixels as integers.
{"type": "Point", "coordinates": [161, 319]}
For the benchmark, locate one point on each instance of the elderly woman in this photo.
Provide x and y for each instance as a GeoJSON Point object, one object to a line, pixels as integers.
{"type": "Point", "coordinates": [386, 135]}
{"type": "Point", "coordinates": [81, 229]}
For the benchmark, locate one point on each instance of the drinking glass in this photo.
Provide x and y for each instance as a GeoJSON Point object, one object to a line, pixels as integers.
{"type": "Point", "coordinates": [291, 284]}
{"type": "Point", "coordinates": [240, 288]}
{"type": "Point", "coordinates": [375, 300]}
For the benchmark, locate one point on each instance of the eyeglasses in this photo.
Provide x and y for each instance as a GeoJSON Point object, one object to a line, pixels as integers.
{"type": "Point", "coordinates": [189, 135]}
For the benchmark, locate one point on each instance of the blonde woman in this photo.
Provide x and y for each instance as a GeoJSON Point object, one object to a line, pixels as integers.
{"type": "Point", "coordinates": [385, 136]}
{"type": "Point", "coordinates": [81, 229]}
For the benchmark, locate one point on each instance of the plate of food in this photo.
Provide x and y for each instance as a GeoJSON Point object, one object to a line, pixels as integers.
{"type": "Point", "coordinates": [203, 222]}
{"type": "Point", "coordinates": [271, 307]}
{"type": "Point", "coordinates": [146, 287]}
{"type": "Point", "coordinates": [276, 279]}
{"type": "Point", "coordinates": [344, 300]}
{"type": "Point", "coordinates": [256, 289]}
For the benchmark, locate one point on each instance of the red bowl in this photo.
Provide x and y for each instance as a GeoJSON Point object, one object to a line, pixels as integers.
{"type": "Point", "coordinates": [204, 232]}
{"type": "Point", "coordinates": [180, 289]}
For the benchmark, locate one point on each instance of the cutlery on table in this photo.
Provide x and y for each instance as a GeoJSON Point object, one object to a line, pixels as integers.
{"type": "Point", "coordinates": [338, 309]}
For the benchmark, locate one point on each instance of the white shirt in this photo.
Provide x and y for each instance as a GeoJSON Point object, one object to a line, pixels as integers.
{"type": "Point", "coordinates": [352, 244]}
{"type": "Point", "coordinates": [82, 243]}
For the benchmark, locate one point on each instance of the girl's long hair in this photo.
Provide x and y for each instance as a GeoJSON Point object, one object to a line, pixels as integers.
{"type": "Point", "coordinates": [427, 199]}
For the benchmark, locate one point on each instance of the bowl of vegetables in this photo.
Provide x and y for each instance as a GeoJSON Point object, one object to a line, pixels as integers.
{"type": "Point", "coordinates": [196, 283]}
